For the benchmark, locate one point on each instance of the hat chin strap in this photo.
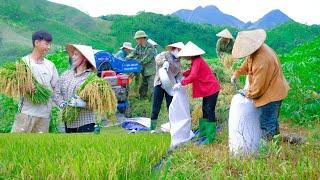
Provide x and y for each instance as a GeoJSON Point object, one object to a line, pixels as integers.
{"type": "Point", "coordinates": [82, 61]}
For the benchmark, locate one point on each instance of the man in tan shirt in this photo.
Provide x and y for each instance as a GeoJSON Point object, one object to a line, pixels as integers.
{"type": "Point", "coordinates": [36, 118]}
{"type": "Point", "coordinates": [267, 84]}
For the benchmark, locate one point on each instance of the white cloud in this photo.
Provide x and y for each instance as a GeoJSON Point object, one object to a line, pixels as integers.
{"type": "Point", "coordinates": [306, 11]}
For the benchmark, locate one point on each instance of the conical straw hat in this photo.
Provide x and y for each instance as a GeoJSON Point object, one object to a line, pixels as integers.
{"type": "Point", "coordinates": [247, 42]}
{"type": "Point", "coordinates": [86, 51]}
{"type": "Point", "coordinates": [190, 49]}
{"type": "Point", "coordinates": [225, 34]}
{"type": "Point", "coordinates": [178, 45]}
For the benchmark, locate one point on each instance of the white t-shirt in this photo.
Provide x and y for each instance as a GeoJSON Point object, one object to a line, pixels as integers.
{"type": "Point", "coordinates": [46, 74]}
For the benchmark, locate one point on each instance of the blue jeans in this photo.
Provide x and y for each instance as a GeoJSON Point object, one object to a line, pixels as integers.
{"type": "Point", "coordinates": [269, 119]}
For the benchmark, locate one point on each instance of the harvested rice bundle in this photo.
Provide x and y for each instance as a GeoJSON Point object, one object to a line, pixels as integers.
{"type": "Point", "coordinates": [8, 81]}
{"type": "Point", "coordinates": [69, 114]}
{"type": "Point", "coordinates": [16, 80]}
{"type": "Point", "coordinates": [25, 78]}
{"type": "Point", "coordinates": [41, 95]}
{"type": "Point", "coordinates": [99, 95]}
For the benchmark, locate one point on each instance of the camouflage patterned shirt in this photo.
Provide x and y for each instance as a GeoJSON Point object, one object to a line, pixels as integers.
{"type": "Point", "coordinates": [223, 47]}
{"type": "Point", "coordinates": [145, 54]}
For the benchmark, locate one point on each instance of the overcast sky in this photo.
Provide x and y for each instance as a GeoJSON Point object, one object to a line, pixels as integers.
{"type": "Point", "coordinates": [304, 11]}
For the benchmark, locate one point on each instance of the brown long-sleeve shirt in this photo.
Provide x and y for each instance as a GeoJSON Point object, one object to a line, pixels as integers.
{"type": "Point", "coordinates": [266, 79]}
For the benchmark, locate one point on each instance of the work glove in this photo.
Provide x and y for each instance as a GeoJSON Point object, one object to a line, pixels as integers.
{"type": "Point", "coordinates": [234, 80]}
{"type": "Point", "coordinates": [76, 101]}
{"type": "Point", "coordinates": [166, 65]}
{"type": "Point", "coordinates": [63, 104]}
{"type": "Point", "coordinates": [242, 92]}
{"type": "Point", "coordinates": [177, 87]}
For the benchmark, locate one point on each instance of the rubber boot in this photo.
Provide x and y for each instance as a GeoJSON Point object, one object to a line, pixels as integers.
{"type": "Point", "coordinates": [210, 133]}
{"type": "Point", "coordinates": [202, 127]}
{"type": "Point", "coordinates": [153, 125]}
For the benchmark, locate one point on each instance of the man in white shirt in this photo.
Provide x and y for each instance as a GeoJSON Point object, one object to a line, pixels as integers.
{"type": "Point", "coordinates": [36, 118]}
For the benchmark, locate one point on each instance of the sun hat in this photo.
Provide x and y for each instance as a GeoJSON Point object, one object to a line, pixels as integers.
{"type": "Point", "coordinates": [247, 42]}
{"type": "Point", "coordinates": [127, 45]}
{"type": "Point", "coordinates": [86, 51]}
{"type": "Point", "coordinates": [140, 34]}
{"type": "Point", "coordinates": [190, 49]}
{"type": "Point", "coordinates": [225, 34]}
{"type": "Point", "coordinates": [178, 45]}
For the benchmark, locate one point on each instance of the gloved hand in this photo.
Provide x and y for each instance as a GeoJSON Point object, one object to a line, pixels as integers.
{"type": "Point", "coordinates": [166, 65]}
{"type": "Point", "coordinates": [76, 101]}
{"type": "Point", "coordinates": [233, 80]}
{"type": "Point", "coordinates": [242, 92]}
{"type": "Point", "coordinates": [177, 87]}
{"type": "Point", "coordinates": [63, 104]}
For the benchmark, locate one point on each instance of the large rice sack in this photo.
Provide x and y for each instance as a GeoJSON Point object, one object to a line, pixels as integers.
{"type": "Point", "coordinates": [244, 126]}
{"type": "Point", "coordinates": [180, 118]}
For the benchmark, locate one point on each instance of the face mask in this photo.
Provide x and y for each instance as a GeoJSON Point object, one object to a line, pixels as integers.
{"type": "Point", "coordinates": [175, 53]}
{"type": "Point", "coordinates": [73, 64]}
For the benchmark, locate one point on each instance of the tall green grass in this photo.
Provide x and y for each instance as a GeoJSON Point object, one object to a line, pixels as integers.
{"type": "Point", "coordinates": [113, 154]}
{"type": "Point", "coordinates": [277, 161]}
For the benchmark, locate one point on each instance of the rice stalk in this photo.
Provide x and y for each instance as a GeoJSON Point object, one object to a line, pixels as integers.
{"type": "Point", "coordinates": [196, 114]}
{"type": "Point", "coordinates": [41, 95]}
{"type": "Point", "coordinates": [69, 114]}
{"type": "Point", "coordinates": [99, 97]}
{"type": "Point", "coordinates": [16, 80]}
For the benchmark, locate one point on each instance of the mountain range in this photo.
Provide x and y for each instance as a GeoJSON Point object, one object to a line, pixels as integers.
{"type": "Point", "coordinates": [212, 15]}
{"type": "Point", "coordinates": [20, 18]}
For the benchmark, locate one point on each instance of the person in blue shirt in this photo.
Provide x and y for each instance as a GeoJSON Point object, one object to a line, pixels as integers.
{"type": "Point", "coordinates": [124, 51]}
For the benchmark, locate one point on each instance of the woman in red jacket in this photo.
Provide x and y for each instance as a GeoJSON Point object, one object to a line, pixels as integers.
{"type": "Point", "coordinates": [205, 85]}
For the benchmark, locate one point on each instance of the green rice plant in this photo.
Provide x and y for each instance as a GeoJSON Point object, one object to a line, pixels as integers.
{"type": "Point", "coordinates": [8, 109]}
{"type": "Point", "coordinates": [69, 114]}
{"type": "Point", "coordinates": [113, 154]}
{"type": "Point", "coordinates": [41, 94]}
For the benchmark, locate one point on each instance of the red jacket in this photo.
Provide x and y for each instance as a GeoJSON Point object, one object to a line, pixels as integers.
{"type": "Point", "coordinates": [204, 82]}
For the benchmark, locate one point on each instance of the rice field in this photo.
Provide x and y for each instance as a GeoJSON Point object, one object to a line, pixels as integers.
{"type": "Point", "coordinates": [112, 154]}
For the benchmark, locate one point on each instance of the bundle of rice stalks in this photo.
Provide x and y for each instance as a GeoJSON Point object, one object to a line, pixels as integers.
{"type": "Point", "coordinates": [69, 114]}
{"type": "Point", "coordinates": [8, 81]}
{"type": "Point", "coordinates": [99, 97]}
{"type": "Point", "coordinates": [25, 79]}
{"type": "Point", "coordinates": [16, 80]}
{"type": "Point", "coordinates": [40, 95]}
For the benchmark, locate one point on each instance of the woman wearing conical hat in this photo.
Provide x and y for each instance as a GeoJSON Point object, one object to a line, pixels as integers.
{"type": "Point", "coordinates": [169, 61]}
{"type": "Point", "coordinates": [224, 43]}
{"type": "Point", "coordinates": [83, 63]}
{"type": "Point", "coordinates": [267, 84]}
{"type": "Point", "coordinates": [204, 85]}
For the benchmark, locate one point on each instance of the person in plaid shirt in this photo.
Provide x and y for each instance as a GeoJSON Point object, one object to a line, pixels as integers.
{"type": "Point", "coordinates": [83, 64]}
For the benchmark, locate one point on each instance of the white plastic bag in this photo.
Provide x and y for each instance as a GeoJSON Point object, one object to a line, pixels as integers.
{"type": "Point", "coordinates": [244, 126]}
{"type": "Point", "coordinates": [180, 118]}
{"type": "Point", "coordinates": [166, 83]}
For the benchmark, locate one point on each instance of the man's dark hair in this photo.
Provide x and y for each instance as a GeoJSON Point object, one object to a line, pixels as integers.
{"type": "Point", "coordinates": [41, 35]}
